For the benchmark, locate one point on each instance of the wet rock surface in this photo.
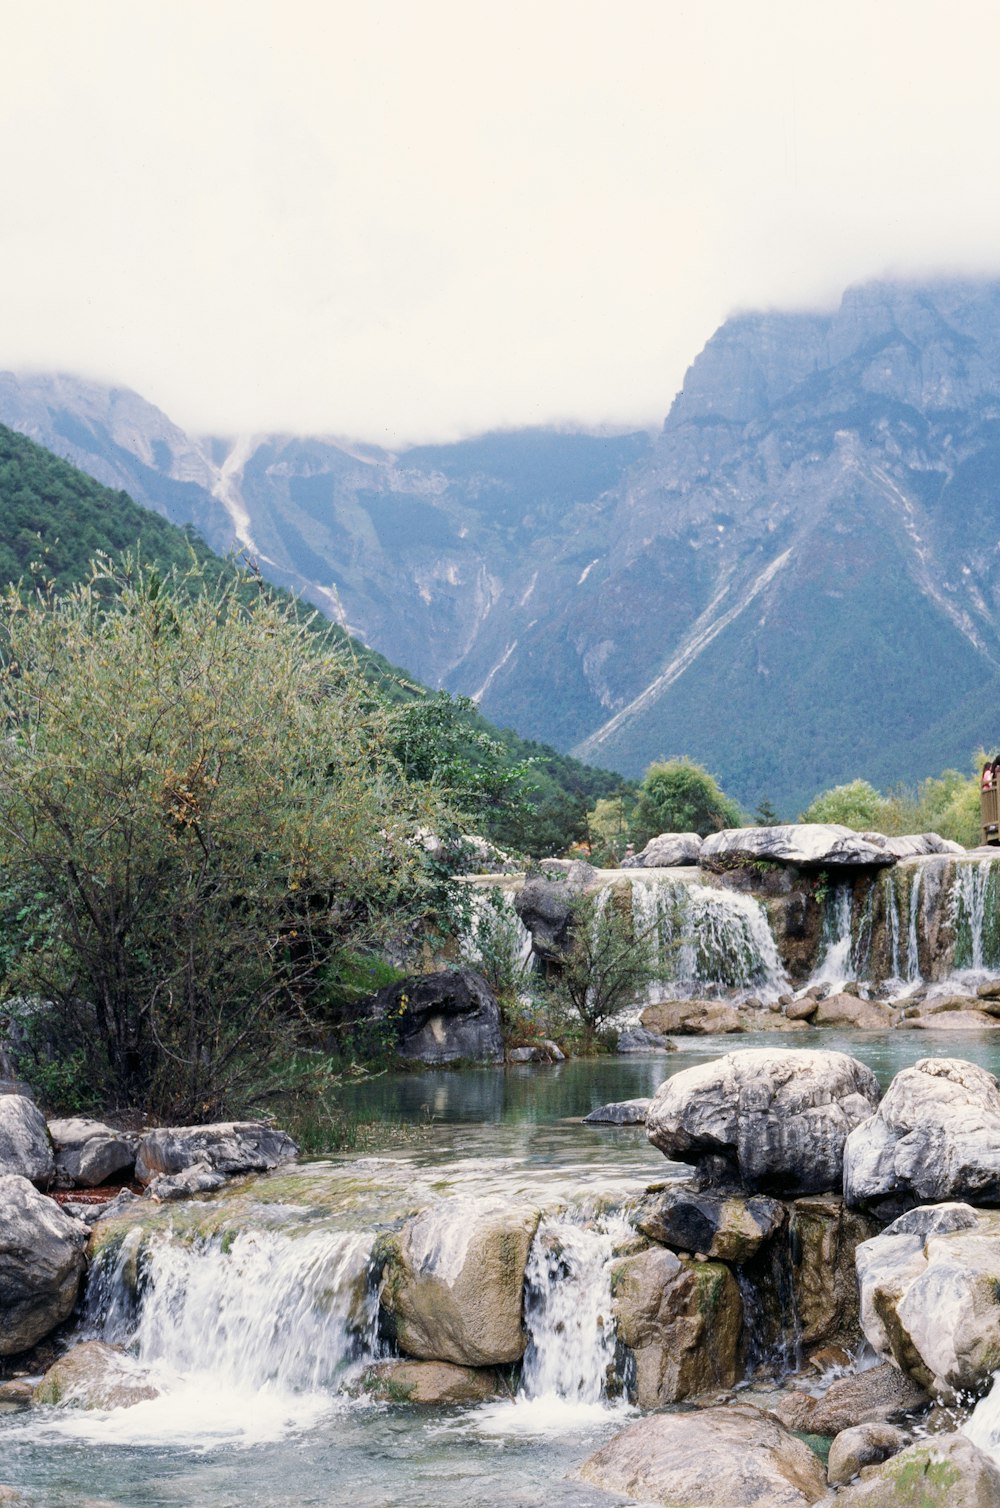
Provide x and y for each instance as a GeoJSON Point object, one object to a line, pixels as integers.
{"type": "Point", "coordinates": [863, 1445]}
{"type": "Point", "coordinates": [545, 904]}
{"type": "Point", "coordinates": [95, 1376]}
{"type": "Point", "coordinates": [880, 1394]}
{"type": "Point", "coordinates": [730, 1228]}
{"type": "Point", "coordinates": [736, 1457]}
{"type": "Point", "coordinates": [453, 1282]}
{"type": "Point", "coordinates": [767, 1120]}
{"type": "Point", "coordinates": [619, 1113]}
{"type": "Point", "coordinates": [947, 1471]}
{"type": "Point", "coordinates": [935, 1136]}
{"type": "Point", "coordinates": [41, 1264]}
{"type": "Point", "coordinates": [435, 1384]}
{"type": "Point", "coordinates": [682, 1321]}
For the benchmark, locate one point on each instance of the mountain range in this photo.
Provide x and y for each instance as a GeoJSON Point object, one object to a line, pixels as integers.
{"type": "Point", "coordinates": [796, 581]}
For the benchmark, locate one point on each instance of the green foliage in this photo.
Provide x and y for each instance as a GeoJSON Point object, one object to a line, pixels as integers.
{"type": "Point", "coordinates": [947, 804]}
{"type": "Point", "coordinates": [679, 796]}
{"type": "Point", "coordinates": [856, 805]}
{"type": "Point", "coordinates": [608, 964]}
{"type": "Point", "coordinates": [608, 829]}
{"type": "Point", "coordinates": [493, 949]}
{"type": "Point", "coordinates": [199, 796]}
{"type": "Point", "coordinates": [765, 815]}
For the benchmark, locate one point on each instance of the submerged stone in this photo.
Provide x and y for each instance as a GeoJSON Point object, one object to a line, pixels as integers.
{"type": "Point", "coordinates": [95, 1376]}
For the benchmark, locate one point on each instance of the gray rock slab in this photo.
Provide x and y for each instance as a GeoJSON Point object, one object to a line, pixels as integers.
{"type": "Point", "coordinates": [815, 845]}
{"type": "Point", "coordinates": [24, 1139]}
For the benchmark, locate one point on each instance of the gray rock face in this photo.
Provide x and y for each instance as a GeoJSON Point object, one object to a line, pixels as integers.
{"type": "Point", "coordinates": [668, 851]}
{"type": "Point", "coordinates": [24, 1140]}
{"type": "Point", "coordinates": [880, 1394]}
{"type": "Point", "coordinates": [945, 1471]}
{"type": "Point", "coordinates": [620, 1113]}
{"type": "Point", "coordinates": [864, 1445]}
{"type": "Point", "coordinates": [444, 1016]}
{"type": "Point", "coordinates": [638, 1039]}
{"type": "Point", "coordinates": [917, 845]}
{"type": "Point", "coordinates": [228, 1147]}
{"type": "Point", "coordinates": [545, 904]}
{"type": "Point", "coordinates": [41, 1263]}
{"type": "Point", "coordinates": [764, 1119]}
{"type": "Point", "coordinates": [807, 845]}
{"type": "Point", "coordinates": [197, 1179]}
{"type": "Point", "coordinates": [87, 1152]}
{"type": "Point", "coordinates": [935, 1136]}
{"type": "Point", "coordinates": [732, 1229]}
{"type": "Point", "coordinates": [735, 1457]}
{"type": "Point", "coordinates": [930, 1295]}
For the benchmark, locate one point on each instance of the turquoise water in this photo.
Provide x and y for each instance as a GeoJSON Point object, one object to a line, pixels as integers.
{"type": "Point", "coordinates": [511, 1132]}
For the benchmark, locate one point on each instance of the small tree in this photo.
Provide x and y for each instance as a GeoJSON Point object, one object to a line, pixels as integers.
{"type": "Point", "coordinates": [857, 804]}
{"type": "Point", "coordinates": [678, 796]}
{"type": "Point", "coordinates": [199, 798]}
{"type": "Point", "coordinates": [609, 963]}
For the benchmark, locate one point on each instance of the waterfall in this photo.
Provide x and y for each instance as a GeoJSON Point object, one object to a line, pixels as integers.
{"type": "Point", "coordinates": [567, 1308]}
{"type": "Point", "coordinates": [708, 938]}
{"type": "Point", "coordinates": [494, 933]}
{"type": "Point", "coordinates": [974, 937]}
{"type": "Point", "coordinates": [227, 1321]}
{"type": "Point", "coordinates": [912, 939]}
{"type": "Point", "coordinates": [983, 1425]}
{"type": "Point", "coordinates": [837, 963]}
{"type": "Point", "coordinates": [892, 907]}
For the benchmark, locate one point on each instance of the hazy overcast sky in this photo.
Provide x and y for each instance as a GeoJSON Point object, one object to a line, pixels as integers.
{"type": "Point", "coordinates": [415, 218]}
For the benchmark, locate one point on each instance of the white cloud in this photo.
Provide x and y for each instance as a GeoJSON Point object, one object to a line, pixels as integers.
{"type": "Point", "coordinates": [396, 220]}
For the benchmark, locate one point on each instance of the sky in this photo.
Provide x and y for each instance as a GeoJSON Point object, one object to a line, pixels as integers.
{"type": "Point", "coordinates": [403, 220]}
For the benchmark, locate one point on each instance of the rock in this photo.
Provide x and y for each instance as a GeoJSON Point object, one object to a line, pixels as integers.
{"type": "Point", "coordinates": [434, 1383]}
{"type": "Point", "coordinates": [619, 1113]}
{"type": "Point", "coordinates": [552, 1050]}
{"type": "Point", "coordinates": [947, 1471]}
{"type": "Point", "coordinates": [541, 1052]}
{"type": "Point", "coordinates": [91, 1214]}
{"type": "Point", "coordinates": [545, 904]}
{"type": "Point", "coordinates": [935, 1136]}
{"type": "Point", "coordinates": [735, 1457]}
{"type": "Point", "coordinates": [443, 1017]}
{"type": "Point", "coordinates": [17, 1393]}
{"type": "Point", "coordinates": [453, 1281]}
{"type": "Point", "coordinates": [24, 1140]}
{"type": "Point", "coordinates": [731, 1229]}
{"type": "Point", "coordinates": [41, 1263]}
{"type": "Point", "coordinates": [876, 1395]}
{"type": "Point", "coordinates": [88, 1152]}
{"type": "Point", "coordinates": [990, 990]}
{"type": "Point", "coordinates": [823, 1237]}
{"type": "Point", "coordinates": [95, 1376]}
{"type": "Point", "coordinates": [930, 1295]}
{"type": "Point", "coordinates": [227, 1147]}
{"type": "Point", "coordinates": [701, 1017]}
{"type": "Point", "coordinates": [682, 1321]}
{"type": "Point", "coordinates": [845, 1009]}
{"type": "Point", "coordinates": [764, 1119]}
{"type": "Point", "coordinates": [668, 851]}
{"type": "Point", "coordinates": [636, 1039]}
{"type": "Point", "coordinates": [863, 1445]}
{"type": "Point", "coordinates": [914, 845]}
{"type": "Point", "coordinates": [13, 1498]}
{"type": "Point", "coordinates": [801, 1009]}
{"type": "Point", "coordinates": [807, 845]}
{"type": "Point", "coordinates": [199, 1178]}
{"type": "Point", "coordinates": [976, 1021]}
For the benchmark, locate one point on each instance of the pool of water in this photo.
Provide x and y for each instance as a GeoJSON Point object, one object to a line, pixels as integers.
{"type": "Point", "coordinates": [515, 1133]}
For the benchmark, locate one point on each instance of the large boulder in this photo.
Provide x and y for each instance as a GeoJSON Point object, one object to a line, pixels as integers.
{"type": "Point", "coordinates": [735, 1457]}
{"type": "Point", "coordinates": [24, 1140]}
{"type": "Point", "coordinates": [930, 1295]}
{"type": "Point", "coordinates": [453, 1281]}
{"type": "Point", "coordinates": [619, 1113]}
{"type": "Point", "coordinates": [545, 904]}
{"type": "Point", "coordinates": [227, 1147]}
{"type": "Point", "coordinates": [95, 1376]}
{"type": "Point", "coordinates": [880, 1394]}
{"type": "Point", "coordinates": [638, 1039]}
{"type": "Point", "coordinates": [862, 1445]}
{"type": "Point", "coordinates": [436, 1384]}
{"type": "Point", "coordinates": [87, 1152]}
{"type": "Point", "coordinates": [807, 845]}
{"type": "Point", "coordinates": [731, 1228]}
{"type": "Point", "coordinates": [682, 1321]}
{"type": "Point", "coordinates": [944, 1471]}
{"type": "Point", "coordinates": [701, 1018]}
{"type": "Point", "coordinates": [823, 1238]}
{"type": "Point", "coordinates": [41, 1263]}
{"type": "Point", "coordinates": [849, 1010]}
{"type": "Point", "coordinates": [764, 1119]}
{"type": "Point", "coordinates": [443, 1017]}
{"type": "Point", "coordinates": [668, 851]}
{"type": "Point", "coordinates": [935, 1136]}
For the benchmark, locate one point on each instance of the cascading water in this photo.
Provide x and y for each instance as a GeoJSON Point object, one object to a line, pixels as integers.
{"type": "Point", "coordinates": [837, 964]}
{"type": "Point", "coordinates": [707, 938]}
{"type": "Point", "coordinates": [243, 1333]}
{"type": "Point", "coordinates": [571, 1333]}
{"type": "Point", "coordinates": [494, 927]}
{"type": "Point", "coordinates": [973, 920]}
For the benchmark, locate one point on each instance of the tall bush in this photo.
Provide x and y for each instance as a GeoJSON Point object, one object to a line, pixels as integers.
{"type": "Point", "coordinates": [198, 795]}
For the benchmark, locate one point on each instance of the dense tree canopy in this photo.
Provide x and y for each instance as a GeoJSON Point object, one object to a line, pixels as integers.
{"type": "Point", "coordinates": [678, 796]}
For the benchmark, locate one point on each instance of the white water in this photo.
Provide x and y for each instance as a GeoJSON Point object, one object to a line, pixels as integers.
{"type": "Point", "coordinates": [983, 1427]}
{"type": "Point", "coordinates": [968, 904]}
{"type": "Point", "coordinates": [246, 1336]}
{"type": "Point", "coordinates": [707, 938]}
{"type": "Point", "coordinates": [837, 964]}
{"type": "Point", "coordinates": [912, 939]}
{"type": "Point", "coordinates": [495, 927]}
